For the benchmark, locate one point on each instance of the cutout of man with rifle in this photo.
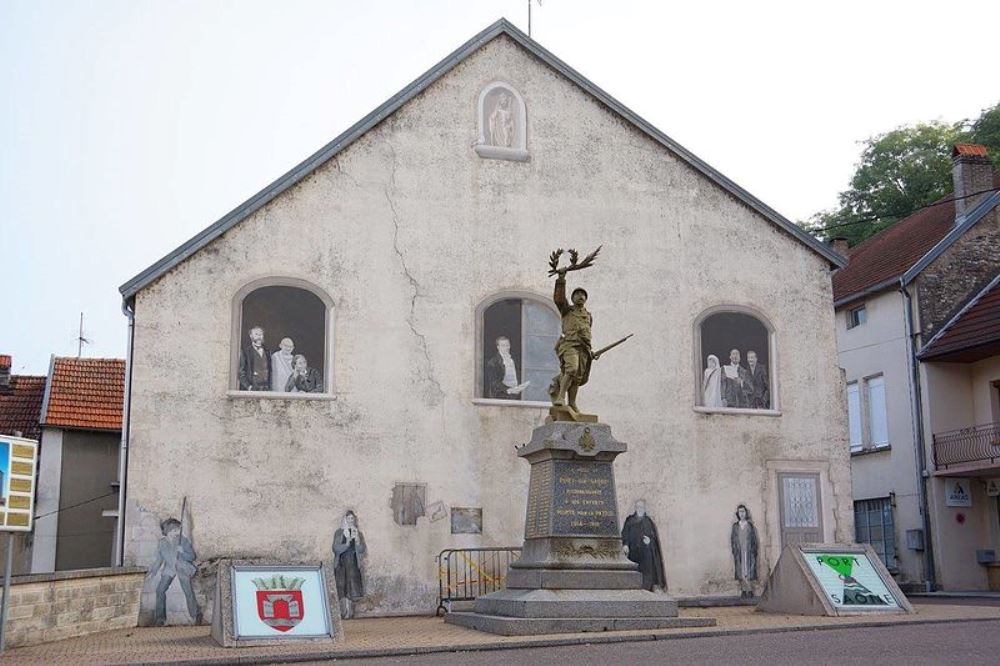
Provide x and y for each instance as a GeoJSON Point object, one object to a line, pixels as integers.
{"type": "Point", "coordinates": [574, 345]}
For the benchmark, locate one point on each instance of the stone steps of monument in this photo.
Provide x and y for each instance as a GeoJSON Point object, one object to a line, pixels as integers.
{"type": "Point", "coordinates": [576, 604]}
{"type": "Point", "coordinates": [532, 626]}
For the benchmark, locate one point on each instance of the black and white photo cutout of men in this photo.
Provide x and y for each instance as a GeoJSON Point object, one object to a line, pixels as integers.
{"type": "Point", "coordinates": [502, 373]}
{"type": "Point", "coordinates": [760, 390]}
{"type": "Point", "coordinates": [735, 383]}
{"type": "Point", "coordinates": [303, 378]}
{"type": "Point", "coordinates": [255, 363]}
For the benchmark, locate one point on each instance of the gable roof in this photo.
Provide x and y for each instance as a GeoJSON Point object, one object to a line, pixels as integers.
{"type": "Point", "coordinates": [85, 393]}
{"type": "Point", "coordinates": [896, 255]}
{"type": "Point", "coordinates": [330, 150]}
{"type": "Point", "coordinates": [973, 333]}
{"type": "Point", "coordinates": [21, 406]}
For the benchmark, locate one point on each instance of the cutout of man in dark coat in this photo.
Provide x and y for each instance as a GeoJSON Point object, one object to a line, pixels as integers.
{"type": "Point", "coordinates": [760, 391]}
{"type": "Point", "coordinates": [641, 543]}
{"type": "Point", "coordinates": [255, 363]}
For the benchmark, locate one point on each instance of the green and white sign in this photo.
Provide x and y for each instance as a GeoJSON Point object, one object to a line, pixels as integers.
{"type": "Point", "coordinates": [850, 580]}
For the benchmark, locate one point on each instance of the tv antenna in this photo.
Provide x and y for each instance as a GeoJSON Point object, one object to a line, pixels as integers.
{"type": "Point", "coordinates": [80, 339]}
{"type": "Point", "coordinates": [529, 14]}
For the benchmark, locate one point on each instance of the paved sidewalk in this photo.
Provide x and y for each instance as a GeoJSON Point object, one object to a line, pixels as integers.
{"type": "Point", "coordinates": [413, 635]}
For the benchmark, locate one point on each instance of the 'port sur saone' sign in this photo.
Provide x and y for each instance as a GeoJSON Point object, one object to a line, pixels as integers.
{"type": "Point", "coordinates": [850, 581]}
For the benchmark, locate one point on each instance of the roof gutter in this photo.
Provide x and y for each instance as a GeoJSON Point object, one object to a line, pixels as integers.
{"type": "Point", "coordinates": [916, 407]}
{"type": "Point", "coordinates": [881, 286]}
{"type": "Point", "coordinates": [128, 309]}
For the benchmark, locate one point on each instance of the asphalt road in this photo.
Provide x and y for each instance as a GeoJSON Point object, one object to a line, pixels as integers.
{"type": "Point", "coordinates": [965, 643]}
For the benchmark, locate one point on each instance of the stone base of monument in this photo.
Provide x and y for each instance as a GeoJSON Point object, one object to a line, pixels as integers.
{"type": "Point", "coordinates": [572, 575]}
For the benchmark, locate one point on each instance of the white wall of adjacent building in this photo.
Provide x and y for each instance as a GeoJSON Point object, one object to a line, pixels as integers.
{"type": "Point", "coordinates": [874, 358]}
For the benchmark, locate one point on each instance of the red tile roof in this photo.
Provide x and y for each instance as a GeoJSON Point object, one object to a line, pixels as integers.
{"type": "Point", "coordinates": [21, 406]}
{"type": "Point", "coordinates": [971, 335]}
{"type": "Point", "coordinates": [969, 150]}
{"type": "Point", "coordinates": [893, 251]}
{"type": "Point", "coordinates": [86, 393]}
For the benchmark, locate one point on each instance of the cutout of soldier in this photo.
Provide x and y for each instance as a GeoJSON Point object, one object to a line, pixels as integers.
{"type": "Point", "coordinates": [573, 348]}
{"type": "Point", "coordinates": [281, 364]}
{"type": "Point", "coordinates": [736, 385]}
{"type": "Point", "coordinates": [641, 543]}
{"type": "Point", "coordinates": [760, 391]}
{"type": "Point", "coordinates": [502, 373]}
{"type": "Point", "coordinates": [303, 378]}
{"type": "Point", "coordinates": [743, 542]}
{"type": "Point", "coordinates": [174, 559]}
{"type": "Point", "coordinates": [255, 363]}
{"type": "Point", "coordinates": [348, 550]}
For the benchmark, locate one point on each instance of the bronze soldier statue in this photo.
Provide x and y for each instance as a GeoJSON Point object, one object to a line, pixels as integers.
{"type": "Point", "coordinates": [574, 345]}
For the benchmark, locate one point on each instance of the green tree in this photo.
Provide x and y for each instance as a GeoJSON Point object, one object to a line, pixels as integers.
{"type": "Point", "coordinates": [900, 171]}
{"type": "Point", "coordinates": [986, 130]}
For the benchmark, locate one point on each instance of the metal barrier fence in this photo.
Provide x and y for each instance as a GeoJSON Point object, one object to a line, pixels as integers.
{"type": "Point", "coordinates": [981, 443]}
{"type": "Point", "coordinates": [467, 573]}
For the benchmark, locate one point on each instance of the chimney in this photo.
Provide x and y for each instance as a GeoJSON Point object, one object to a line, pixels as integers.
{"type": "Point", "coordinates": [5, 363]}
{"type": "Point", "coordinates": [840, 245]}
{"type": "Point", "coordinates": [971, 172]}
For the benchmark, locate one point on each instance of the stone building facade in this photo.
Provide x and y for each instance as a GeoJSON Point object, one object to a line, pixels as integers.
{"type": "Point", "coordinates": [413, 243]}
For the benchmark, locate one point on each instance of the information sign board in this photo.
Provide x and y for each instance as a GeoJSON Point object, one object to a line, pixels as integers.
{"type": "Point", "coordinates": [271, 603]}
{"type": "Point", "coordinates": [18, 465]}
{"type": "Point", "coordinates": [850, 580]}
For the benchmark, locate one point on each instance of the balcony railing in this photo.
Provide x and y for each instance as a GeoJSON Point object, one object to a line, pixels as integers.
{"type": "Point", "coordinates": [968, 445]}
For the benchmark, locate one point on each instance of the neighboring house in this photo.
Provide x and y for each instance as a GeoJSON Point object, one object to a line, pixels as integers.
{"type": "Point", "coordinates": [77, 497]}
{"type": "Point", "coordinates": [20, 408]}
{"type": "Point", "coordinates": [917, 328]}
{"type": "Point", "coordinates": [406, 261]}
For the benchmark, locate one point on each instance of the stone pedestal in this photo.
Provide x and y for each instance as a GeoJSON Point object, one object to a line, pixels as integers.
{"type": "Point", "coordinates": [572, 575]}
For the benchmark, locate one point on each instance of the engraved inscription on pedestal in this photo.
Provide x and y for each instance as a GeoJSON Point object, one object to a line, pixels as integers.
{"type": "Point", "coordinates": [583, 499]}
{"type": "Point", "coordinates": [539, 518]}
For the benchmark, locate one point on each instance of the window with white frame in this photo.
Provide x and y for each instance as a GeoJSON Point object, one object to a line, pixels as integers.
{"type": "Point", "coordinates": [857, 316]}
{"type": "Point", "coordinates": [854, 415]}
{"type": "Point", "coordinates": [877, 423]}
{"type": "Point", "coordinates": [874, 525]}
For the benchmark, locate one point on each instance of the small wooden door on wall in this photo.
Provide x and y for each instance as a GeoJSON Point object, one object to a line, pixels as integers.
{"type": "Point", "coordinates": [801, 511]}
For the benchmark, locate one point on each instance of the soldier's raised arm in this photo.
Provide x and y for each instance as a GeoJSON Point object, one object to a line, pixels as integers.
{"type": "Point", "coordinates": [559, 293]}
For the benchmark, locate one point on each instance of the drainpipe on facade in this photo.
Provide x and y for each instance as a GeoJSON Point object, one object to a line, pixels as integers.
{"type": "Point", "coordinates": [916, 405]}
{"type": "Point", "coordinates": [128, 311]}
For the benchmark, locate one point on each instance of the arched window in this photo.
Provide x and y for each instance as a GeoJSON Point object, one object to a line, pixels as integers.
{"type": "Point", "coordinates": [282, 338]}
{"type": "Point", "coordinates": [735, 360]}
{"type": "Point", "coordinates": [517, 358]}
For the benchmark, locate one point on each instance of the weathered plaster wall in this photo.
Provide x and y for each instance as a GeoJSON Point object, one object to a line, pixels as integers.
{"type": "Point", "coordinates": [407, 231]}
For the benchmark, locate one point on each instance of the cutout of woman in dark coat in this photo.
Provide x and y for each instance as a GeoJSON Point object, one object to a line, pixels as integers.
{"type": "Point", "coordinates": [743, 542]}
{"type": "Point", "coordinates": [348, 549]}
{"type": "Point", "coordinates": [641, 543]}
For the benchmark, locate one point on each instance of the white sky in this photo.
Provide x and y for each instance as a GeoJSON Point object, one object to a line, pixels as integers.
{"type": "Point", "coordinates": [128, 126]}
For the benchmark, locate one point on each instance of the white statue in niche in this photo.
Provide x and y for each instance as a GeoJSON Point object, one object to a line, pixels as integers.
{"type": "Point", "coordinates": [502, 124]}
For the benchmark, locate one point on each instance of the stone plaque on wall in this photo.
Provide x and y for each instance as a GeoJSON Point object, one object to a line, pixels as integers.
{"type": "Point", "coordinates": [466, 520]}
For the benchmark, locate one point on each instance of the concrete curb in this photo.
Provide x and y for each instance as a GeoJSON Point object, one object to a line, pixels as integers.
{"type": "Point", "coordinates": [595, 639]}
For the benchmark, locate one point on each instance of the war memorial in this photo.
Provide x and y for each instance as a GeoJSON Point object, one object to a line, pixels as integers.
{"type": "Point", "coordinates": [365, 365]}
